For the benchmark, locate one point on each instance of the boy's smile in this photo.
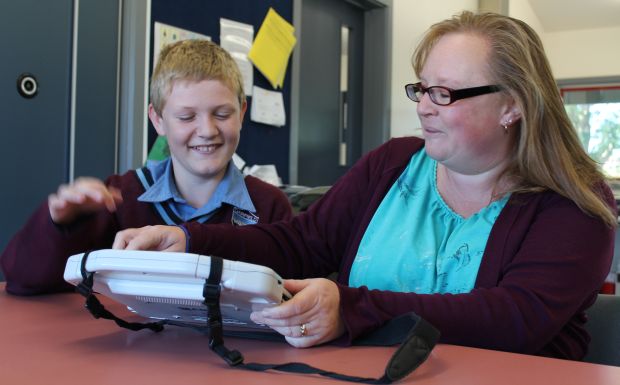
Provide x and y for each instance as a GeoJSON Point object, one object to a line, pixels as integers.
{"type": "Point", "coordinates": [205, 149]}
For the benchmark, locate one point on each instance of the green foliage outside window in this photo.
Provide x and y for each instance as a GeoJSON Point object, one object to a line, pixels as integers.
{"type": "Point", "coordinates": [598, 128]}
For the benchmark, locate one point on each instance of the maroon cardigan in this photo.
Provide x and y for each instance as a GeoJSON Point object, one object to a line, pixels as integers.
{"type": "Point", "coordinates": [35, 258]}
{"type": "Point", "coordinates": [543, 265]}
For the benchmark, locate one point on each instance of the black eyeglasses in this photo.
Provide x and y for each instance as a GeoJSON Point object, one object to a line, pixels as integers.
{"type": "Point", "coordinates": [444, 96]}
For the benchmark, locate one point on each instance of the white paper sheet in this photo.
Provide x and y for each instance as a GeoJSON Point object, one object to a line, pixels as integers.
{"type": "Point", "coordinates": [236, 38]}
{"type": "Point", "coordinates": [268, 107]}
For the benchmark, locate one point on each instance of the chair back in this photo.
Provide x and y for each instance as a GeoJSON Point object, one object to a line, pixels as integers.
{"type": "Point", "coordinates": [604, 328]}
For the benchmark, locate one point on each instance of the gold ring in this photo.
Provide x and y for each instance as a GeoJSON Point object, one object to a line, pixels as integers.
{"type": "Point", "coordinates": [303, 330]}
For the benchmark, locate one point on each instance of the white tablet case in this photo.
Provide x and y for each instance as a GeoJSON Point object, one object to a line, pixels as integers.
{"type": "Point", "coordinates": [167, 285]}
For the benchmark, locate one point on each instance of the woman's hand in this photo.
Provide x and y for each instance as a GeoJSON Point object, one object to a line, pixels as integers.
{"type": "Point", "coordinates": [310, 318]}
{"type": "Point", "coordinates": [159, 238]}
{"type": "Point", "coordinates": [84, 195]}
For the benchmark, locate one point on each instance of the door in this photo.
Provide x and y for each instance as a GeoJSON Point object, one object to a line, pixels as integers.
{"type": "Point", "coordinates": [330, 97]}
{"type": "Point", "coordinates": [35, 78]}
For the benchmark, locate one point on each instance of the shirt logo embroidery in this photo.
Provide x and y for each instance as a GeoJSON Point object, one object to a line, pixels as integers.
{"type": "Point", "coordinates": [243, 218]}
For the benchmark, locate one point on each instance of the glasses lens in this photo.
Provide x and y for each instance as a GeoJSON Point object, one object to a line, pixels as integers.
{"type": "Point", "coordinates": [440, 95]}
{"type": "Point", "coordinates": [410, 89]}
{"type": "Point", "coordinates": [419, 92]}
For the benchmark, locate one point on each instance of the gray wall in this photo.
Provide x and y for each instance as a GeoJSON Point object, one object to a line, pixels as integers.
{"type": "Point", "coordinates": [69, 128]}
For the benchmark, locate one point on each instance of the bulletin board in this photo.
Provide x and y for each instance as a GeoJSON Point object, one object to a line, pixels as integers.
{"type": "Point", "coordinates": [260, 143]}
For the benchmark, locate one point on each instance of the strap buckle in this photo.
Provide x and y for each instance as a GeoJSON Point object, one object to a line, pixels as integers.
{"type": "Point", "coordinates": [232, 357]}
{"type": "Point", "coordinates": [211, 294]}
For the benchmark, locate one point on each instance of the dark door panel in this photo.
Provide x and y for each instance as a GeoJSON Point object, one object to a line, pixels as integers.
{"type": "Point", "coordinates": [35, 130]}
{"type": "Point", "coordinates": [326, 149]}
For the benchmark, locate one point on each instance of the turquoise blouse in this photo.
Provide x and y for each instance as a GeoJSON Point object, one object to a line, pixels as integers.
{"type": "Point", "coordinates": [416, 243]}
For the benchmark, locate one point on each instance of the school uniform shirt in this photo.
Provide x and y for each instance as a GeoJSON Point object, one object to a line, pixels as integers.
{"type": "Point", "coordinates": [543, 265]}
{"type": "Point", "coordinates": [161, 191]}
{"type": "Point", "coordinates": [35, 258]}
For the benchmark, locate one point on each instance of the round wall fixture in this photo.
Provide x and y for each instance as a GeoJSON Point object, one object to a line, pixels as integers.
{"type": "Point", "coordinates": [27, 85]}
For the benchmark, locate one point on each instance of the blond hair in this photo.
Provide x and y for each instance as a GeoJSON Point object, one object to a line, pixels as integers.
{"type": "Point", "coordinates": [193, 60]}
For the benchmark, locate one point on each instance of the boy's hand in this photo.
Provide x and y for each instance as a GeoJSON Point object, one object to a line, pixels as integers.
{"type": "Point", "coordinates": [84, 195]}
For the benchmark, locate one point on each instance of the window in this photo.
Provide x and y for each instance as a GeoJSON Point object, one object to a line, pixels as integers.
{"type": "Point", "coordinates": [595, 113]}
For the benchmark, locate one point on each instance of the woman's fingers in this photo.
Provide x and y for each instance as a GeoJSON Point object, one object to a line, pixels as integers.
{"type": "Point", "coordinates": [311, 317]}
{"type": "Point", "coordinates": [161, 238]}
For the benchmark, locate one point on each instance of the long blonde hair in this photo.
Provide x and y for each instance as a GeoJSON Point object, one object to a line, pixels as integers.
{"type": "Point", "coordinates": [548, 154]}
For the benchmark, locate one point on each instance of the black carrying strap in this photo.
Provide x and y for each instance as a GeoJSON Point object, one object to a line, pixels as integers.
{"type": "Point", "coordinates": [211, 294]}
{"type": "Point", "coordinates": [99, 311]}
{"type": "Point", "coordinates": [416, 336]}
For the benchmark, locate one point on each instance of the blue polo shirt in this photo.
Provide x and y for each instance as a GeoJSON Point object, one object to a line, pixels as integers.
{"type": "Point", "coordinates": [161, 190]}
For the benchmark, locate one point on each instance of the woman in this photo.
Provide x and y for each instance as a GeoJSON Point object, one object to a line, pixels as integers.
{"type": "Point", "coordinates": [497, 228]}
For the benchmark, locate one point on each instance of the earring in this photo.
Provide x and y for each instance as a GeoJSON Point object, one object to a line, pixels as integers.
{"type": "Point", "coordinates": [506, 124]}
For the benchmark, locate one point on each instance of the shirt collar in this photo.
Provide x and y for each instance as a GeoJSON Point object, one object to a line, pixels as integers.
{"type": "Point", "coordinates": [231, 189]}
{"type": "Point", "coordinates": [163, 187]}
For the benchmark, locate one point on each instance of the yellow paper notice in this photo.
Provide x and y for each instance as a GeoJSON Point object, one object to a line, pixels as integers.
{"type": "Point", "coordinates": [272, 48]}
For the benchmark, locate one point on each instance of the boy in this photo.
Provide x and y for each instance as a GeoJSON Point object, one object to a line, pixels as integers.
{"type": "Point", "coordinates": [197, 102]}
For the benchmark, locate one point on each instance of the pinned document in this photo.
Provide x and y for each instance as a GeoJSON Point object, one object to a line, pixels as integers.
{"type": "Point", "coordinates": [236, 38]}
{"type": "Point", "coordinates": [272, 48]}
{"type": "Point", "coordinates": [267, 107]}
